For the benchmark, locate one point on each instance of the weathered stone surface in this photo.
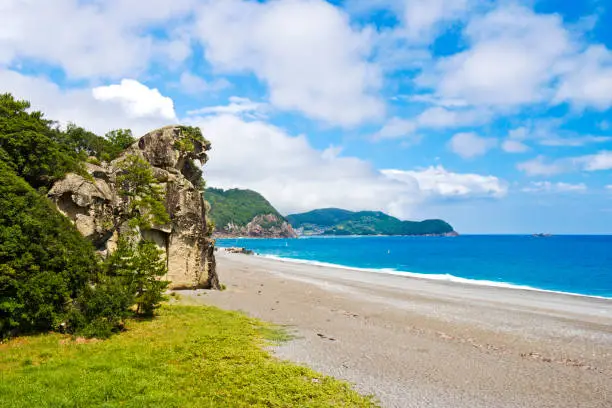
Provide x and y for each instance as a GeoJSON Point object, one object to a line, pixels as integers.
{"type": "Point", "coordinates": [261, 226]}
{"type": "Point", "coordinates": [96, 207]}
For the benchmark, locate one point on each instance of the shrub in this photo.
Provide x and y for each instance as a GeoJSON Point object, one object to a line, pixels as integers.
{"type": "Point", "coordinates": [44, 261]}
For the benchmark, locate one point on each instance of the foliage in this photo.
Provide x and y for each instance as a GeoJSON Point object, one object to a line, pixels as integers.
{"type": "Point", "coordinates": [145, 197]}
{"type": "Point", "coordinates": [120, 140]}
{"type": "Point", "coordinates": [44, 261]}
{"type": "Point", "coordinates": [188, 357]}
{"type": "Point", "coordinates": [334, 221]}
{"type": "Point", "coordinates": [32, 145]}
{"type": "Point", "coordinates": [41, 153]}
{"type": "Point", "coordinates": [85, 143]}
{"type": "Point", "coordinates": [139, 267]}
{"type": "Point", "coordinates": [190, 137]}
{"type": "Point", "coordinates": [237, 207]}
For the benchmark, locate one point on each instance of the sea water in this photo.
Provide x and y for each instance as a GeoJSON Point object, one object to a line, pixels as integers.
{"type": "Point", "coordinates": [572, 264]}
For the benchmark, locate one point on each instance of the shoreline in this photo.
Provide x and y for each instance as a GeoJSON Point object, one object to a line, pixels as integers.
{"type": "Point", "coordinates": [425, 343]}
{"type": "Point", "coordinates": [425, 276]}
{"type": "Point", "coordinates": [434, 277]}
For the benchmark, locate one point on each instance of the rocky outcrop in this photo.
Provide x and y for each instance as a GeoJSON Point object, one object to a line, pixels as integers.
{"type": "Point", "coordinates": [261, 226]}
{"type": "Point", "coordinates": [97, 208]}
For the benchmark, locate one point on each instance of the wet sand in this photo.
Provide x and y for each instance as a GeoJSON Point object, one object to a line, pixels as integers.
{"type": "Point", "coordinates": [420, 343]}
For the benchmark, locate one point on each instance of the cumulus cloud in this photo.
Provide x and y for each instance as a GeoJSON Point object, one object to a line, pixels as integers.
{"type": "Point", "coordinates": [469, 145]}
{"type": "Point", "coordinates": [137, 99]}
{"type": "Point", "coordinates": [509, 62]}
{"type": "Point", "coordinates": [437, 182]}
{"type": "Point", "coordinates": [293, 175]}
{"type": "Point", "coordinates": [588, 80]}
{"type": "Point", "coordinates": [321, 69]}
{"type": "Point", "coordinates": [103, 39]}
{"type": "Point", "coordinates": [548, 187]}
{"type": "Point", "coordinates": [80, 105]}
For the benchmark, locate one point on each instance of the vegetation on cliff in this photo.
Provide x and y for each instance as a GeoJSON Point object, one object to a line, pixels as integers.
{"type": "Point", "coordinates": [50, 276]}
{"type": "Point", "coordinates": [245, 212]}
{"type": "Point", "coordinates": [334, 221]}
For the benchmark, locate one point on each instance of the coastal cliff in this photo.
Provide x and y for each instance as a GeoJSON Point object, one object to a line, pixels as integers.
{"type": "Point", "coordinates": [100, 208]}
{"type": "Point", "coordinates": [245, 213]}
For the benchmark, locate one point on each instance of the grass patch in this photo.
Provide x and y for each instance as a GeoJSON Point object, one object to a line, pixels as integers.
{"type": "Point", "coordinates": [190, 356]}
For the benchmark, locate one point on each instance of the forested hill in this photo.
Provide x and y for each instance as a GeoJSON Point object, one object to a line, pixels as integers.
{"type": "Point", "coordinates": [335, 221]}
{"type": "Point", "coordinates": [238, 212]}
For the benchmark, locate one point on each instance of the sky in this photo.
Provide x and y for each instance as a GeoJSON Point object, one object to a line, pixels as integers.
{"type": "Point", "coordinates": [492, 115]}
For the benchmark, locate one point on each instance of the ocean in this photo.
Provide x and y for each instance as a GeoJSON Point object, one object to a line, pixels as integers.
{"type": "Point", "coordinates": [571, 264]}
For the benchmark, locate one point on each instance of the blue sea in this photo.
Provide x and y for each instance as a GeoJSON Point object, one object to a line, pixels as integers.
{"type": "Point", "coordinates": [572, 264]}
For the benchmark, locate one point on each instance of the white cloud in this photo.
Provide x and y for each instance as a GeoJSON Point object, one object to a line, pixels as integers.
{"type": "Point", "coordinates": [318, 69]}
{"type": "Point", "coordinates": [609, 187]}
{"type": "Point", "coordinates": [593, 162]}
{"type": "Point", "coordinates": [237, 106]}
{"type": "Point", "coordinates": [137, 99]}
{"type": "Point", "coordinates": [510, 62]}
{"type": "Point", "coordinates": [437, 182]}
{"type": "Point", "coordinates": [573, 141]}
{"type": "Point", "coordinates": [78, 105]}
{"type": "Point", "coordinates": [293, 175]}
{"type": "Point", "coordinates": [514, 146]}
{"type": "Point", "coordinates": [193, 84]}
{"type": "Point", "coordinates": [539, 167]}
{"type": "Point", "coordinates": [548, 187]}
{"type": "Point", "coordinates": [439, 117]}
{"type": "Point", "coordinates": [423, 18]}
{"type": "Point", "coordinates": [102, 39]}
{"type": "Point", "coordinates": [469, 145]}
{"type": "Point", "coordinates": [588, 81]}
{"type": "Point", "coordinates": [396, 128]}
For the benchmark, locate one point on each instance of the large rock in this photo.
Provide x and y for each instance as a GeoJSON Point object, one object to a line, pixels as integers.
{"type": "Point", "coordinates": [96, 207]}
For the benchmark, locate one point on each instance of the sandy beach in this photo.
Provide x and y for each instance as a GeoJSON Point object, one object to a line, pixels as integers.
{"type": "Point", "coordinates": [421, 343]}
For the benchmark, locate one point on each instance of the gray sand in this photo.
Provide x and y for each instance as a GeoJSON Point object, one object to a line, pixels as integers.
{"type": "Point", "coordinates": [420, 343]}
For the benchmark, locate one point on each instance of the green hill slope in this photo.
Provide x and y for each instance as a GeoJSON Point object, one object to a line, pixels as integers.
{"type": "Point", "coordinates": [334, 221]}
{"type": "Point", "coordinates": [238, 212]}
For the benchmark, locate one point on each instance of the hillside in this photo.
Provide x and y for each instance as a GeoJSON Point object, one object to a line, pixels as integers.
{"type": "Point", "coordinates": [335, 221]}
{"type": "Point", "coordinates": [238, 212]}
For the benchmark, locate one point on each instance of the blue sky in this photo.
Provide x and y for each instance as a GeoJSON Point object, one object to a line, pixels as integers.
{"type": "Point", "coordinates": [494, 115]}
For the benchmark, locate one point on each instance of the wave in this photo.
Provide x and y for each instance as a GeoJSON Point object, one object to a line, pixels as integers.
{"type": "Point", "coordinates": [435, 277]}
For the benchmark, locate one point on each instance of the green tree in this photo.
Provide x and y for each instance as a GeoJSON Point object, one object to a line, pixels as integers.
{"type": "Point", "coordinates": [44, 261]}
{"type": "Point", "coordinates": [33, 145]}
{"type": "Point", "coordinates": [145, 197]}
{"type": "Point", "coordinates": [140, 267]}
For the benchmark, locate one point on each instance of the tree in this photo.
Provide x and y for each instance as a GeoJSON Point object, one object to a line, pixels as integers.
{"type": "Point", "coordinates": [140, 267]}
{"type": "Point", "coordinates": [33, 145]}
{"type": "Point", "coordinates": [145, 197]}
{"type": "Point", "coordinates": [44, 261]}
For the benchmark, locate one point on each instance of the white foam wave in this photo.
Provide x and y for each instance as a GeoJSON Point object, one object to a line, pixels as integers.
{"type": "Point", "coordinates": [437, 277]}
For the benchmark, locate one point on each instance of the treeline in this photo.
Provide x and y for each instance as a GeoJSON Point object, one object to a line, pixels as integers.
{"type": "Point", "coordinates": [50, 276]}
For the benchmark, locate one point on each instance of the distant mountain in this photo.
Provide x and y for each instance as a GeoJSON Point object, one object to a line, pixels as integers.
{"type": "Point", "coordinates": [334, 221]}
{"type": "Point", "coordinates": [238, 212]}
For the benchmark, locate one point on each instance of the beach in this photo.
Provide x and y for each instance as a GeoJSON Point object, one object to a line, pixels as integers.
{"type": "Point", "coordinates": [425, 343]}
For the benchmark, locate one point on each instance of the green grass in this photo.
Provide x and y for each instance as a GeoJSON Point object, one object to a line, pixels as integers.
{"type": "Point", "coordinates": [189, 356]}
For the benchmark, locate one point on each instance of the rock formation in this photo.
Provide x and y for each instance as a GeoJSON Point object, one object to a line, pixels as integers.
{"type": "Point", "coordinates": [261, 226]}
{"type": "Point", "coordinates": [97, 208]}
